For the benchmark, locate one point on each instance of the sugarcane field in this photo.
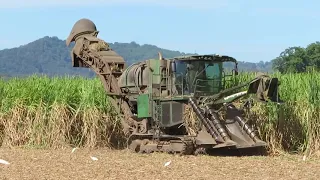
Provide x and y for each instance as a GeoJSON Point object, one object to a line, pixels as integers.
{"type": "Point", "coordinates": [86, 101]}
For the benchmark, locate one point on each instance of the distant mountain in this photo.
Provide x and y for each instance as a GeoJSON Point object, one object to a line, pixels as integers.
{"type": "Point", "coordinates": [50, 56]}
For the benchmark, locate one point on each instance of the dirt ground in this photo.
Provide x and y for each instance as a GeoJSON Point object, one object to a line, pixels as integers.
{"type": "Point", "coordinates": [63, 164]}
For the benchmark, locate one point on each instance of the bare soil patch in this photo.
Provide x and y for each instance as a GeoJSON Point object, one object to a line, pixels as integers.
{"type": "Point", "coordinates": [62, 164]}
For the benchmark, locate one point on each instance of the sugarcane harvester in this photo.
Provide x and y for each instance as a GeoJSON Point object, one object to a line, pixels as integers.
{"type": "Point", "coordinates": [177, 105]}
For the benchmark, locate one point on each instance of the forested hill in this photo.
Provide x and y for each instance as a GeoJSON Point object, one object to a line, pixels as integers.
{"type": "Point", "coordinates": [50, 56]}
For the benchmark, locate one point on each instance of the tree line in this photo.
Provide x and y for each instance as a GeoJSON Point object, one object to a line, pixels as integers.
{"type": "Point", "coordinates": [50, 56]}
{"type": "Point", "coordinates": [298, 59]}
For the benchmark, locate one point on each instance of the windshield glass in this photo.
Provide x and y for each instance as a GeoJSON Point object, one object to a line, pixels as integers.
{"type": "Point", "coordinates": [198, 76]}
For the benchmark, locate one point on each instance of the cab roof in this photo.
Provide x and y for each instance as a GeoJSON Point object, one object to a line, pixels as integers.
{"type": "Point", "coordinates": [208, 57]}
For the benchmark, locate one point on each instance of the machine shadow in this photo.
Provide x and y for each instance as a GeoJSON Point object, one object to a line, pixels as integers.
{"type": "Point", "coordinates": [225, 152]}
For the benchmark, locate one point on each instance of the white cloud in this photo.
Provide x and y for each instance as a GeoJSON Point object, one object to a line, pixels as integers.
{"type": "Point", "coordinates": [203, 4]}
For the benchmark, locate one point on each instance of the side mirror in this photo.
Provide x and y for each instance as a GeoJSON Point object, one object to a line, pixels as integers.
{"type": "Point", "coordinates": [236, 72]}
{"type": "Point", "coordinates": [173, 66]}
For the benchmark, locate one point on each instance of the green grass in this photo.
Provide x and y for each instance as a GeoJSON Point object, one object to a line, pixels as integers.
{"type": "Point", "coordinates": [55, 112]}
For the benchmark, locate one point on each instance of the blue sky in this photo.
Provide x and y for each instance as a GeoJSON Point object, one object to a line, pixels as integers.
{"type": "Point", "coordinates": [247, 30]}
